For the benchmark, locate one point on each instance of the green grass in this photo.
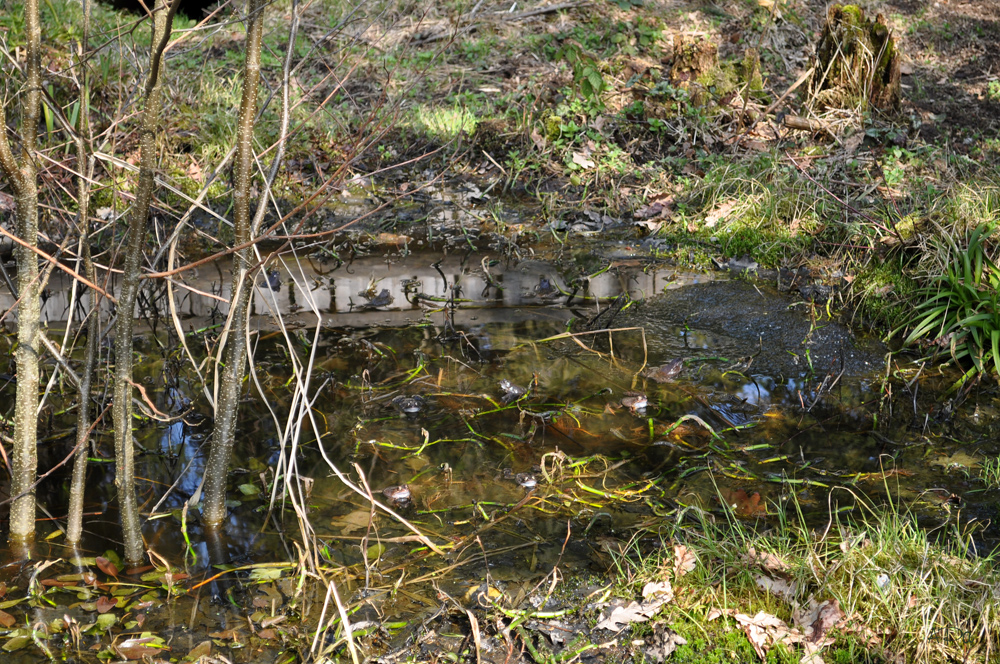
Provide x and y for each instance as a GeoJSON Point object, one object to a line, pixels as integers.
{"type": "Point", "coordinates": [905, 592]}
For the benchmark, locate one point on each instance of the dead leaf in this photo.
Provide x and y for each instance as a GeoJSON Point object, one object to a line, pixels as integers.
{"type": "Point", "coordinates": [779, 587]}
{"type": "Point", "coordinates": [267, 634]}
{"type": "Point", "coordinates": [352, 521]}
{"type": "Point", "coordinates": [658, 591]}
{"type": "Point", "coordinates": [768, 561]}
{"type": "Point", "coordinates": [720, 212]}
{"type": "Point", "coordinates": [744, 505]}
{"type": "Point", "coordinates": [817, 618]}
{"type": "Point", "coordinates": [684, 560]}
{"type": "Point", "coordinates": [203, 649]}
{"type": "Point", "coordinates": [906, 68]}
{"type": "Point", "coordinates": [194, 171]}
{"type": "Point", "coordinates": [659, 206]}
{"type": "Point", "coordinates": [105, 604]}
{"type": "Point", "coordinates": [651, 226]}
{"type": "Point", "coordinates": [137, 648]}
{"type": "Point", "coordinates": [6, 620]}
{"type": "Point", "coordinates": [226, 635]}
{"type": "Point", "coordinates": [663, 642]}
{"type": "Point", "coordinates": [656, 595]}
{"type": "Point", "coordinates": [583, 161]}
{"type": "Point", "coordinates": [765, 630]}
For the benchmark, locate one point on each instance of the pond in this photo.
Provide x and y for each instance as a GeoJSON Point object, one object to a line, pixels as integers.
{"type": "Point", "coordinates": [515, 415]}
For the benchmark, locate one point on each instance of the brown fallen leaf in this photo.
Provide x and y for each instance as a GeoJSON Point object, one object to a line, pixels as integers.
{"type": "Point", "coordinates": [655, 595]}
{"type": "Point", "coordinates": [137, 648]}
{"type": "Point", "coordinates": [663, 642]}
{"type": "Point", "coordinates": [203, 649]}
{"type": "Point", "coordinates": [719, 213]}
{"type": "Point", "coordinates": [267, 634]}
{"type": "Point", "coordinates": [816, 618]}
{"type": "Point", "coordinates": [684, 560]}
{"type": "Point", "coordinates": [659, 206]}
{"type": "Point", "coordinates": [105, 604]}
{"type": "Point", "coordinates": [582, 160]}
{"type": "Point", "coordinates": [6, 620]}
{"type": "Point", "coordinates": [744, 505]}
{"type": "Point", "coordinates": [786, 590]}
{"type": "Point", "coordinates": [764, 630]}
{"type": "Point", "coordinates": [768, 561]}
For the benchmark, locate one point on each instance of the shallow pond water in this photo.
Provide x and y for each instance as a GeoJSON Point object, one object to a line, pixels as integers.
{"type": "Point", "coordinates": [448, 387]}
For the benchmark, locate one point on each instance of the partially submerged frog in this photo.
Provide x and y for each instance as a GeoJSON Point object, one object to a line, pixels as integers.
{"type": "Point", "coordinates": [635, 401]}
{"type": "Point", "coordinates": [511, 392]}
{"type": "Point", "coordinates": [409, 405]}
{"type": "Point", "coordinates": [666, 373]}
{"type": "Point", "coordinates": [398, 496]}
{"type": "Point", "coordinates": [527, 480]}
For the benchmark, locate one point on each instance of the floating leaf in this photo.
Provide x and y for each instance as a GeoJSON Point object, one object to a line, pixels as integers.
{"type": "Point", "coordinates": [106, 566]}
{"type": "Point", "coordinates": [16, 643]}
{"type": "Point", "coordinates": [105, 604]}
{"type": "Point", "coordinates": [6, 620]}
{"type": "Point", "coordinates": [106, 621]}
{"type": "Point", "coordinates": [744, 505]}
{"type": "Point", "coordinates": [203, 649]}
{"type": "Point", "coordinates": [352, 521]}
{"type": "Point", "coordinates": [249, 489]}
{"type": "Point", "coordinates": [265, 573]}
{"type": "Point", "coordinates": [139, 648]}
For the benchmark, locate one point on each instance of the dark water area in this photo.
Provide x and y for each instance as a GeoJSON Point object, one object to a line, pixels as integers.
{"type": "Point", "coordinates": [519, 447]}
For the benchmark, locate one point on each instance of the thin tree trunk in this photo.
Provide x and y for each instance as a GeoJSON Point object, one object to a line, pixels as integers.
{"type": "Point", "coordinates": [138, 218]}
{"type": "Point", "coordinates": [217, 466]}
{"type": "Point", "coordinates": [24, 463]}
{"type": "Point", "coordinates": [74, 525]}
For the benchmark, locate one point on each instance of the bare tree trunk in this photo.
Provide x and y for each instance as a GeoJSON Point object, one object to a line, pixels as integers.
{"type": "Point", "coordinates": [74, 525]}
{"type": "Point", "coordinates": [24, 463]}
{"type": "Point", "coordinates": [217, 466]}
{"type": "Point", "coordinates": [122, 410]}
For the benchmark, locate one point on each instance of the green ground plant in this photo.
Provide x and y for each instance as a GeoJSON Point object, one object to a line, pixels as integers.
{"type": "Point", "coordinates": [906, 594]}
{"type": "Point", "coordinates": [959, 309]}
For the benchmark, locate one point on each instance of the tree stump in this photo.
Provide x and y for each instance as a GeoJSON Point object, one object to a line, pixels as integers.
{"type": "Point", "coordinates": [856, 61]}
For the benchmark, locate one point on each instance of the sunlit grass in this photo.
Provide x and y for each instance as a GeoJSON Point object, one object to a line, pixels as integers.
{"type": "Point", "coordinates": [443, 123]}
{"type": "Point", "coordinates": [905, 592]}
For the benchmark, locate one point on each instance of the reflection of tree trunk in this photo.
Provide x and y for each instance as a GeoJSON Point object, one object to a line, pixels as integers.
{"type": "Point", "coordinates": [122, 410]}
{"type": "Point", "coordinates": [74, 526]}
{"type": "Point", "coordinates": [216, 469]}
{"type": "Point", "coordinates": [24, 463]}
